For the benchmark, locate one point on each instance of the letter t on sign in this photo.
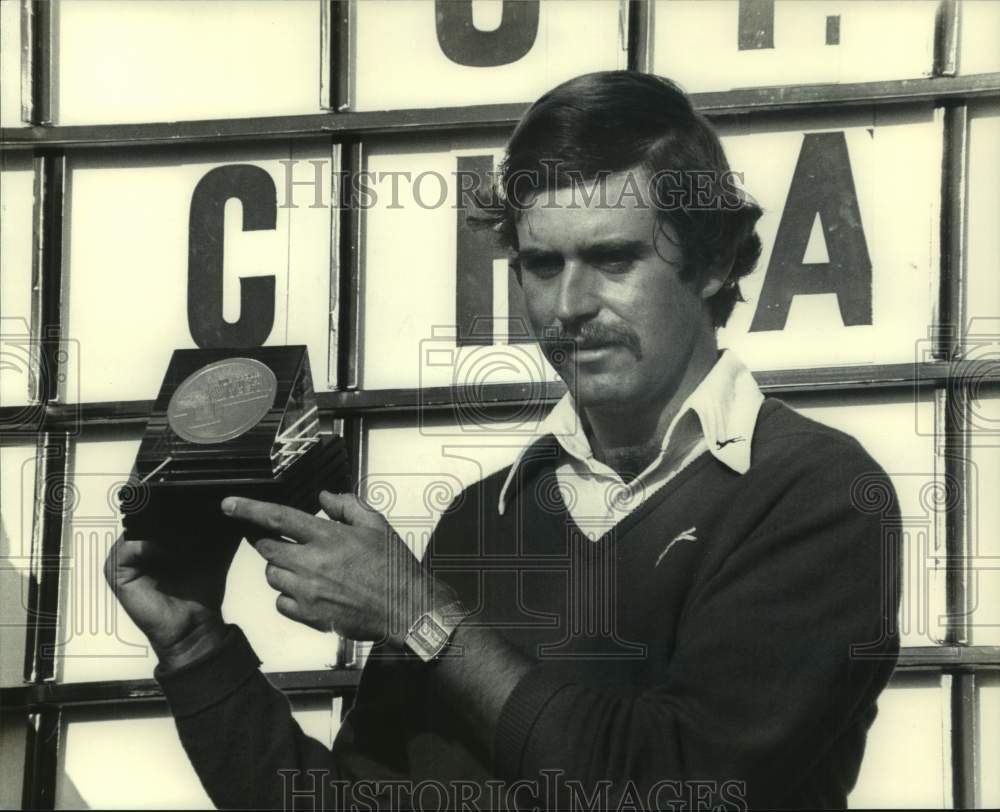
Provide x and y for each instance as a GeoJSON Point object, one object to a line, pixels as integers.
{"type": "Point", "coordinates": [756, 27]}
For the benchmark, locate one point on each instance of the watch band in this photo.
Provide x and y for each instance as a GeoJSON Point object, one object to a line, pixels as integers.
{"type": "Point", "coordinates": [430, 633]}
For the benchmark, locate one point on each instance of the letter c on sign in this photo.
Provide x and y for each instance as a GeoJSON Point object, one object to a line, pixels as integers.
{"type": "Point", "coordinates": [255, 189]}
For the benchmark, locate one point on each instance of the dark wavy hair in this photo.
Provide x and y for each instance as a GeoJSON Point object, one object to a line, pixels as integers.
{"type": "Point", "coordinates": [613, 121]}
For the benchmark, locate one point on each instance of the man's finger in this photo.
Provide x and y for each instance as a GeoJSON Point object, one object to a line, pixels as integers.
{"type": "Point", "coordinates": [123, 554]}
{"type": "Point", "coordinates": [347, 508]}
{"type": "Point", "coordinates": [279, 520]}
{"type": "Point", "coordinates": [282, 553]}
{"type": "Point", "coordinates": [138, 554]}
{"type": "Point", "coordinates": [289, 607]}
{"type": "Point", "coordinates": [280, 579]}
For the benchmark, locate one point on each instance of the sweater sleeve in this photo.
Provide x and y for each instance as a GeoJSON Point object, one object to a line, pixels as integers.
{"type": "Point", "coordinates": [782, 649]}
{"type": "Point", "coordinates": [238, 730]}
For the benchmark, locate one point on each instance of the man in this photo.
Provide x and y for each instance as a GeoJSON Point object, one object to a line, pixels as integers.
{"type": "Point", "coordinates": [669, 599]}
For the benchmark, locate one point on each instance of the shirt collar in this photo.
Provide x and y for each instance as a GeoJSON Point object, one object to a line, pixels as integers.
{"type": "Point", "coordinates": [726, 402]}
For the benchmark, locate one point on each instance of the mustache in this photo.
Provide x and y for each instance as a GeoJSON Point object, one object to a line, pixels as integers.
{"type": "Point", "coordinates": [559, 341]}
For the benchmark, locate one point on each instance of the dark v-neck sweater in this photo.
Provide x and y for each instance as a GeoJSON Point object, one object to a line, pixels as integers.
{"type": "Point", "coordinates": [726, 642]}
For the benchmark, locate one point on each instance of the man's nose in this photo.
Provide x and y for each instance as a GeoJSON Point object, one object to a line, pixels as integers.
{"type": "Point", "coordinates": [578, 294]}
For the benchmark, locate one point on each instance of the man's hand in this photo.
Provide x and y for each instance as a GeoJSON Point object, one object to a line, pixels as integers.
{"type": "Point", "coordinates": [174, 595]}
{"type": "Point", "coordinates": [350, 573]}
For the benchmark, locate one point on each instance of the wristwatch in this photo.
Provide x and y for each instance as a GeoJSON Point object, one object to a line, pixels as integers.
{"type": "Point", "coordinates": [430, 633]}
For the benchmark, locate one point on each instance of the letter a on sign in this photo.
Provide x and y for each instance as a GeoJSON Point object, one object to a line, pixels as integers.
{"type": "Point", "coordinates": [465, 44]}
{"type": "Point", "coordinates": [822, 187]}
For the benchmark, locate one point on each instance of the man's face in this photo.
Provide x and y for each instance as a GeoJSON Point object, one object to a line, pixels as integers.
{"type": "Point", "coordinates": [605, 274]}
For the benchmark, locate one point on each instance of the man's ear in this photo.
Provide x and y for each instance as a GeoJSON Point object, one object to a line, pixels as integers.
{"type": "Point", "coordinates": [714, 279]}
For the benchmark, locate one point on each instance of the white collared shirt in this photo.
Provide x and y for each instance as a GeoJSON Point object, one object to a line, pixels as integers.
{"type": "Point", "coordinates": [723, 408]}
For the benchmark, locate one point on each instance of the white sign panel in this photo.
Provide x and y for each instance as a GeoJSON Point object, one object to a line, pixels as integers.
{"type": "Point", "coordinates": [208, 248]}
{"type": "Point", "coordinates": [138, 755]}
{"type": "Point", "coordinates": [983, 247]}
{"type": "Point", "coordinates": [979, 36]}
{"type": "Point", "coordinates": [412, 474]}
{"type": "Point", "coordinates": [988, 690]}
{"type": "Point", "coordinates": [915, 710]}
{"type": "Point", "coordinates": [889, 427]}
{"type": "Point", "coordinates": [983, 520]}
{"type": "Point", "coordinates": [10, 64]}
{"type": "Point", "coordinates": [453, 52]}
{"type": "Point", "coordinates": [97, 640]}
{"type": "Point", "coordinates": [708, 45]}
{"type": "Point", "coordinates": [165, 60]}
{"type": "Point", "coordinates": [17, 354]}
{"type": "Point", "coordinates": [17, 479]}
{"type": "Point", "coordinates": [849, 270]}
{"type": "Point", "coordinates": [441, 307]}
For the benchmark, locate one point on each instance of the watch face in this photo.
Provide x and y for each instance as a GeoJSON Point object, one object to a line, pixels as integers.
{"type": "Point", "coordinates": [430, 634]}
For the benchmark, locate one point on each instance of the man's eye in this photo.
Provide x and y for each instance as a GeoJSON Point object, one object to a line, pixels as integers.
{"type": "Point", "coordinates": [542, 267]}
{"type": "Point", "coordinates": [615, 264]}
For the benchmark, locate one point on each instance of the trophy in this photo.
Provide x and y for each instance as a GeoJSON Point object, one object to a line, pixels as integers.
{"type": "Point", "coordinates": [230, 422]}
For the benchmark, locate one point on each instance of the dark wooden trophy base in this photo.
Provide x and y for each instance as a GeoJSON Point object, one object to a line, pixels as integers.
{"type": "Point", "coordinates": [177, 512]}
{"type": "Point", "coordinates": [236, 422]}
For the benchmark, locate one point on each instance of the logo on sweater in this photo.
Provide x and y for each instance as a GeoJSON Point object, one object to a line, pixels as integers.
{"type": "Point", "coordinates": [720, 444]}
{"type": "Point", "coordinates": [686, 535]}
